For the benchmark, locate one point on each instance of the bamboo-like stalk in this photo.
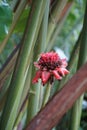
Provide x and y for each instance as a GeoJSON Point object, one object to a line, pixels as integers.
{"type": "Point", "coordinates": [33, 102]}
{"type": "Point", "coordinates": [5, 87]}
{"type": "Point", "coordinates": [4, 92]}
{"type": "Point", "coordinates": [45, 27]}
{"type": "Point", "coordinates": [55, 15]}
{"type": "Point", "coordinates": [8, 66]}
{"type": "Point", "coordinates": [26, 90]}
{"type": "Point", "coordinates": [60, 23]}
{"type": "Point", "coordinates": [23, 61]}
{"type": "Point", "coordinates": [77, 108]}
{"type": "Point", "coordinates": [15, 20]}
{"type": "Point", "coordinates": [20, 116]}
{"type": "Point", "coordinates": [33, 105]}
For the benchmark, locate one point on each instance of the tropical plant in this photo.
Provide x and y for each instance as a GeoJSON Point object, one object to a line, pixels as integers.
{"type": "Point", "coordinates": [43, 43]}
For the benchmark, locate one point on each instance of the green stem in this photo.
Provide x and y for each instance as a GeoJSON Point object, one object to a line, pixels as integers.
{"type": "Point", "coordinates": [76, 114]}
{"type": "Point", "coordinates": [4, 91]}
{"type": "Point", "coordinates": [55, 15]}
{"type": "Point", "coordinates": [59, 25]}
{"type": "Point", "coordinates": [33, 102]}
{"type": "Point", "coordinates": [20, 116]}
{"type": "Point", "coordinates": [46, 94]}
{"type": "Point", "coordinates": [26, 85]}
{"type": "Point", "coordinates": [8, 66]}
{"type": "Point", "coordinates": [45, 26]}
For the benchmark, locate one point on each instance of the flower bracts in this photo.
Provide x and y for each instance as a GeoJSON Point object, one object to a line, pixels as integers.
{"type": "Point", "coordinates": [50, 66]}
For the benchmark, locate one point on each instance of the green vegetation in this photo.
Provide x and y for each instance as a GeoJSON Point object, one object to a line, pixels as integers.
{"type": "Point", "coordinates": [28, 28]}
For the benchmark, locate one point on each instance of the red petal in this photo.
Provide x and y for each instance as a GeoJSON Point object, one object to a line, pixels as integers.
{"type": "Point", "coordinates": [61, 71]}
{"type": "Point", "coordinates": [37, 76]}
{"type": "Point", "coordinates": [65, 71]}
{"type": "Point", "coordinates": [57, 76]}
{"type": "Point", "coordinates": [45, 77]}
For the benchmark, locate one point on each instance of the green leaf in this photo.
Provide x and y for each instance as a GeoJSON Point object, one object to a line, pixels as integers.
{"type": "Point", "coordinates": [20, 27]}
{"type": "Point", "coordinates": [5, 20]}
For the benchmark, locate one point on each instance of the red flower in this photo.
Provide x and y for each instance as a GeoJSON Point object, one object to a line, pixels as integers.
{"type": "Point", "coordinates": [50, 66]}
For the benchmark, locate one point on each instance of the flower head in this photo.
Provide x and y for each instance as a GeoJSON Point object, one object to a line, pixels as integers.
{"type": "Point", "coordinates": [50, 66]}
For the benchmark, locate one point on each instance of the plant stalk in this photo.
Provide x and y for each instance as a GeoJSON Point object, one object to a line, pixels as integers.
{"type": "Point", "coordinates": [54, 17]}
{"type": "Point", "coordinates": [46, 94]}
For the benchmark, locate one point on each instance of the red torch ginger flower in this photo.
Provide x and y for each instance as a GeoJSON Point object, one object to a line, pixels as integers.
{"type": "Point", "coordinates": [50, 66]}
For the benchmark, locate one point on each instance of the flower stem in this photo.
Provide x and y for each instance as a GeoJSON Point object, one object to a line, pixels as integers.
{"type": "Point", "coordinates": [46, 94]}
